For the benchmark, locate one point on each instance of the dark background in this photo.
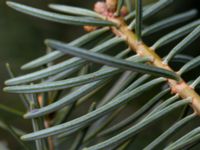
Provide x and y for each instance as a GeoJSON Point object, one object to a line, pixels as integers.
{"type": "Point", "coordinates": [22, 36]}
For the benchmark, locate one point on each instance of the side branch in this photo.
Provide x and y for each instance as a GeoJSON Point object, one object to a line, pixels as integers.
{"type": "Point", "coordinates": [177, 87]}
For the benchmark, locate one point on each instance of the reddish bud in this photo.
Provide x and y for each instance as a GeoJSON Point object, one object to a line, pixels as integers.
{"type": "Point", "coordinates": [100, 7]}
{"type": "Point", "coordinates": [89, 28]}
{"type": "Point", "coordinates": [111, 5]}
{"type": "Point", "coordinates": [124, 11]}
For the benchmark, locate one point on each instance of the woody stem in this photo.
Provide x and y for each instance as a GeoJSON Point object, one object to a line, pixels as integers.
{"type": "Point", "coordinates": [177, 87]}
